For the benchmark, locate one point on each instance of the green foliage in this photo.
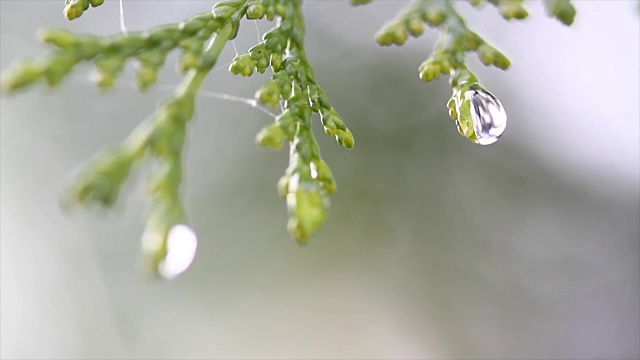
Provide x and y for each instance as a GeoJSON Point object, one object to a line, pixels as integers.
{"type": "Point", "coordinates": [75, 8]}
{"type": "Point", "coordinates": [307, 181]}
{"type": "Point", "coordinates": [456, 39]}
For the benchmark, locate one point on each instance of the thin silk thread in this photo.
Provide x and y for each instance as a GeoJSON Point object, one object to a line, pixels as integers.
{"type": "Point", "coordinates": [123, 27]}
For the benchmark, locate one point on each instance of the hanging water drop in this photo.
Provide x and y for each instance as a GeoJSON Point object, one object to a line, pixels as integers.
{"type": "Point", "coordinates": [181, 249]}
{"type": "Point", "coordinates": [479, 115]}
{"type": "Point", "coordinates": [169, 252]}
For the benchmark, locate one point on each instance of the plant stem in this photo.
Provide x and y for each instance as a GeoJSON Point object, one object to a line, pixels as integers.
{"type": "Point", "coordinates": [195, 77]}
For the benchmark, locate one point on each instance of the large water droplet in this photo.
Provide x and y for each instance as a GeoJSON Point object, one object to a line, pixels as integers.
{"type": "Point", "coordinates": [479, 115]}
{"type": "Point", "coordinates": [181, 249]}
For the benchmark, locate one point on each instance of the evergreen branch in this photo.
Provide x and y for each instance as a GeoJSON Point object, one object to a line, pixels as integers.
{"type": "Point", "coordinates": [562, 10]}
{"type": "Point", "coordinates": [449, 57]}
{"type": "Point", "coordinates": [509, 9]}
{"type": "Point", "coordinates": [109, 54]}
{"type": "Point", "coordinates": [161, 139]}
{"type": "Point", "coordinates": [308, 180]}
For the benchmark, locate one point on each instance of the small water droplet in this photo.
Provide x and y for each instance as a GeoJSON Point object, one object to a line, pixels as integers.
{"type": "Point", "coordinates": [181, 249]}
{"type": "Point", "coordinates": [479, 115]}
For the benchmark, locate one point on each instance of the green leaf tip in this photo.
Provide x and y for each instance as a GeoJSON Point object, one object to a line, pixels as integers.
{"type": "Point", "coordinates": [562, 10]}
{"type": "Point", "coordinates": [360, 2]}
{"type": "Point", "coordinates": [101, 179]}
{"type": "Point", "coordinates": [308, 206]}
{"type": "Point", "coordinates": [75, 8]}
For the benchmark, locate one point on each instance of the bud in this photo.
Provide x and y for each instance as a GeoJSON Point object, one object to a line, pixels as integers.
{"type": "Point", "coordinates": [314, 97]}
{"type": "Point", "coordinates": [399, 34]}
{"type": "Point", "coordinates": [271, 136]}
{"type": "Point", "coordinates": [194, 24]}
{"type": "Point", "coordinates": [222, 12]}
{"type": "Point", "coordinates": [280, 9]}
{"type": "Point", "coordinates": [414, 25]}
{"type": "Point", "coordinates": [563, 10]}
{"type": "Point", "coordinates": [434, 17]}
{"type": "Point", "coordinates": [262, 64]}
{"type": "Point", "coordinates": [512, 10]}
{"type": "Point", "coordinates": [329, 123]}
{"type": "Point", "coordinates": [307, 211]}
{"type": "Point", "coordinates": [75, 8]}
{"type": "Point", "coordinates": [258, 52]}
{"type": "Point", "coordinates": [283, 185]}
{"type": "Point", "coordinates": [255, 11]}
{"type": "Point", "coordinates": [472, 40]}
{"type": "Point", "coordinates": [384, 37]}
{"type": "Point", "coordinates": [276, 62]}
{"type": "Point", "coordinates": [345, 138]}
{"type": "Point", "coordinates": [269, 93]}
{"type": "Point", "coordinates": [153, 57]}
{"type": "Point", "coordinates": [189, 60]}
{"type": "Point", "coordinates": [108, 67]}
{"type": "Point", "coordinates": [192, 44]}
{"type": "Point", "coordinates": [146, 76]}
{"type": "Point", "coordinates": [324, 175]}
{"type": "Point", "coordinates": [269, 12]}
{"type": "Point", "coordinates": [100, 180]}
{"type": "Point", "coordinates": [21, 75]}
{"type": "Point", "coordinates": [58, 68]}
{"type": "Point", "coordinates": [61, 38]}
{"type": "Point", "coordinates": [429, 70]}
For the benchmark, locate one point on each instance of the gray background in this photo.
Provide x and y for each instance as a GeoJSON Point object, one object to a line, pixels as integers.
{"type": "Point", "coordinates": [434, 248]}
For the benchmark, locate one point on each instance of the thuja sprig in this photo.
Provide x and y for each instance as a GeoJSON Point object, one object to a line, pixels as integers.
{"type": "Point", "coordinates": [308, 180]}
{"type": "Point", "coordinates": [509, 9]}
{"type": "Point", "coordinates": [449, 55]}
{"type": "Point", "coordinates": [168, 243]}
{"type": "Point", "coordinates": [109, 54]}
{"type": "Point", "coordinates": [562, 10]}
{"type": "Point", "coordinates": [160, 139]}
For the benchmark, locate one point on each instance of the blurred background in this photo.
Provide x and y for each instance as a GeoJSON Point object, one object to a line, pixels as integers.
{"type": "Point", "coordinates": [434, 247]}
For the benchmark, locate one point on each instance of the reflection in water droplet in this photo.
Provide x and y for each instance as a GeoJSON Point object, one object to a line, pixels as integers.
{"type": "Point", "coordinates": [181, 249]}
{"type": "Point", "coordinates": [479, 114]}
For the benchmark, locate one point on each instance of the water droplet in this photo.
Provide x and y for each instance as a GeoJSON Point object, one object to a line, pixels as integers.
{"type": "Point", "coordinates": [479, 115]}
{"type": "Point", "coordinates": [181, 249]}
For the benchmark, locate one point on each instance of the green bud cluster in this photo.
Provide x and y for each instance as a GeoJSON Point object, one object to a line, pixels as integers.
{"type": "Point", "coordinates": [308, 180]}
{"type": "Point", "coordinates": [101, 179]}
{"type": "Point", "coordinates": [75, 8]}
{"type": "Point", "coordinates": [410, 22]}
{"type": "Point", "coordinates": [109, 54]}
{"type": "Point", "coordinates": [306, 185]}
{"type": "Point", "coordinates": [161, 138]}
{"type": "Point", "coordinates": [360, 2]}
{"type": "Point", "coordinates": [456, 39]}
{"type": "Point", "coordinates": [562, 10]}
